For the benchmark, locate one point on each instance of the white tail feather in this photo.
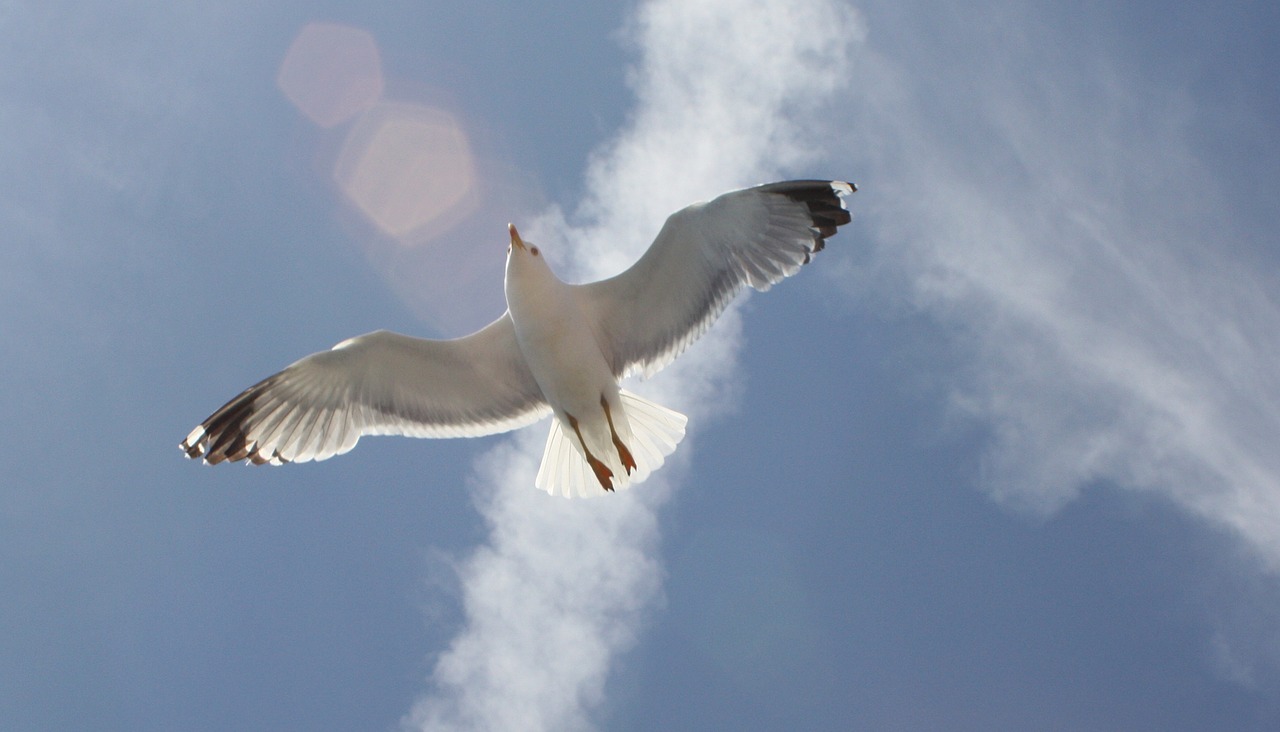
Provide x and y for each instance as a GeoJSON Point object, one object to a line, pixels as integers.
{"type": "Point", "coordinates": [651, 433]}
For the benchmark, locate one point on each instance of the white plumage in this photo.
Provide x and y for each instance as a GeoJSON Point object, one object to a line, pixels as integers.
{"type": "Point", "coordinates": [559, 349]}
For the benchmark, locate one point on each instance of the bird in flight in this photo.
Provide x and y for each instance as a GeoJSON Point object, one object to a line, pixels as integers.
{"type": "Point", "coordinates": [559, 349]}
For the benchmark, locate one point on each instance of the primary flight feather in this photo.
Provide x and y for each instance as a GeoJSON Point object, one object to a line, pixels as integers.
{"type": "Point", "coordinates": [559, 349]}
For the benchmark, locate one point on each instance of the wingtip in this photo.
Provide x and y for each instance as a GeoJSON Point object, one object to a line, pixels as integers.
{"type": "Point", "coordinates": [192, 446]}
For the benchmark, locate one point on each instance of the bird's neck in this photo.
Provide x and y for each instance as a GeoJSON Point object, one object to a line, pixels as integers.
{"type": "Point", "coordinates": [535, 295]}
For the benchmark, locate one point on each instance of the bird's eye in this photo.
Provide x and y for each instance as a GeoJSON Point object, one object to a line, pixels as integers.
{"type": "Point", "coordinates": [533, 251]}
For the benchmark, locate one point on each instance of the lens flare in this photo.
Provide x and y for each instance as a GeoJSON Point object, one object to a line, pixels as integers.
{"type": "Point", "coordinates": [407, 168]}
{"type": "Point", "coordinates": [331, 73]}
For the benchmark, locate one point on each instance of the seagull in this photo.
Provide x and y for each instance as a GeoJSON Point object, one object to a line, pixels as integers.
{"type": "Point", "coordinates": [559, 349]}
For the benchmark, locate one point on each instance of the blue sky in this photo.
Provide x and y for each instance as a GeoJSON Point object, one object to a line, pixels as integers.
{"type": "Point", "coordinates": [1001, 458]}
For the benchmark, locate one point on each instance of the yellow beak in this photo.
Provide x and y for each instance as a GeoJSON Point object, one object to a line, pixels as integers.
{"type": "Point", "coordinates": [516, 241]}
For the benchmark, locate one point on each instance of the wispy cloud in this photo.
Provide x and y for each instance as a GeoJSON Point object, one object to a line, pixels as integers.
{"type": "Point", "coordinates": [1061, 217]}
{"type": "Point", "coordinates": [728, 93]}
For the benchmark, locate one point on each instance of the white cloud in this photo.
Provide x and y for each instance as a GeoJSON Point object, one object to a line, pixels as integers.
{"type": "Point", "coordinates": [729, 92]}
{"type": "Point", "coordinates": [1060, 215]}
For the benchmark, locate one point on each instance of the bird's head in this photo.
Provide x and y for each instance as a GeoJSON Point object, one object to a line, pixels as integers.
{"type": "Point", "coordinates": [520, 245]}
{"type": "Point", "coordinates": [524, 260]}
{"type": "Point", "coordinates": [520, 250]}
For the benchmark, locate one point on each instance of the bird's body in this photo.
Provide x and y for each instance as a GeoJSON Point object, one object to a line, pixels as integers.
{"type": "Point", "coordinates": [559, 344]}
{"type": "Point", "coordinates": [559, 348]}
{"type": "Point", "coordinates": [556, 338]}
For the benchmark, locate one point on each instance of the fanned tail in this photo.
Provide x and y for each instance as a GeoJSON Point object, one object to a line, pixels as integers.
{"type": "Point", "coordinates": [654, 431]}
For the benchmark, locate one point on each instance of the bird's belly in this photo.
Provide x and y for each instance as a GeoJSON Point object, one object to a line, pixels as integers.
{"type": "Point", "coordinates": [570, 369]}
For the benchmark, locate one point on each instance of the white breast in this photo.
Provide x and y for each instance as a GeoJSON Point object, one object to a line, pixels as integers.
{"type": "Point", "coordinates": [558, 340]}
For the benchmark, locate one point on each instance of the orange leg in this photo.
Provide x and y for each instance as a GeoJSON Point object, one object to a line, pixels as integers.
{"type": "Point", "coordinates": [602, 471]}
{"type": "Point", "coordinates": [628, 461]}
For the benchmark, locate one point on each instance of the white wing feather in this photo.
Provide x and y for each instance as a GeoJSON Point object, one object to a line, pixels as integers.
{"type": "Point", "coordinates": [702, 257]}
{"type": "Point", "coordinates": [381, 383]}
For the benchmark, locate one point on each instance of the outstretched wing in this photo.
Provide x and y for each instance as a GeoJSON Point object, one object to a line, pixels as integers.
{"type": "Point", "coordinates": [703, 255]}
{"type": "Point", "coordinates": [381, 383]}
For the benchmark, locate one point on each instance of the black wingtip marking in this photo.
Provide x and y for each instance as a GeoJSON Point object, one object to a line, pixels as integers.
{"type": "Point", "coordinates": [192, 451]}
{"type": "Point", "coordinates": [224, 436]}
{"type": "Point", "coordinates": [824, 201]}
